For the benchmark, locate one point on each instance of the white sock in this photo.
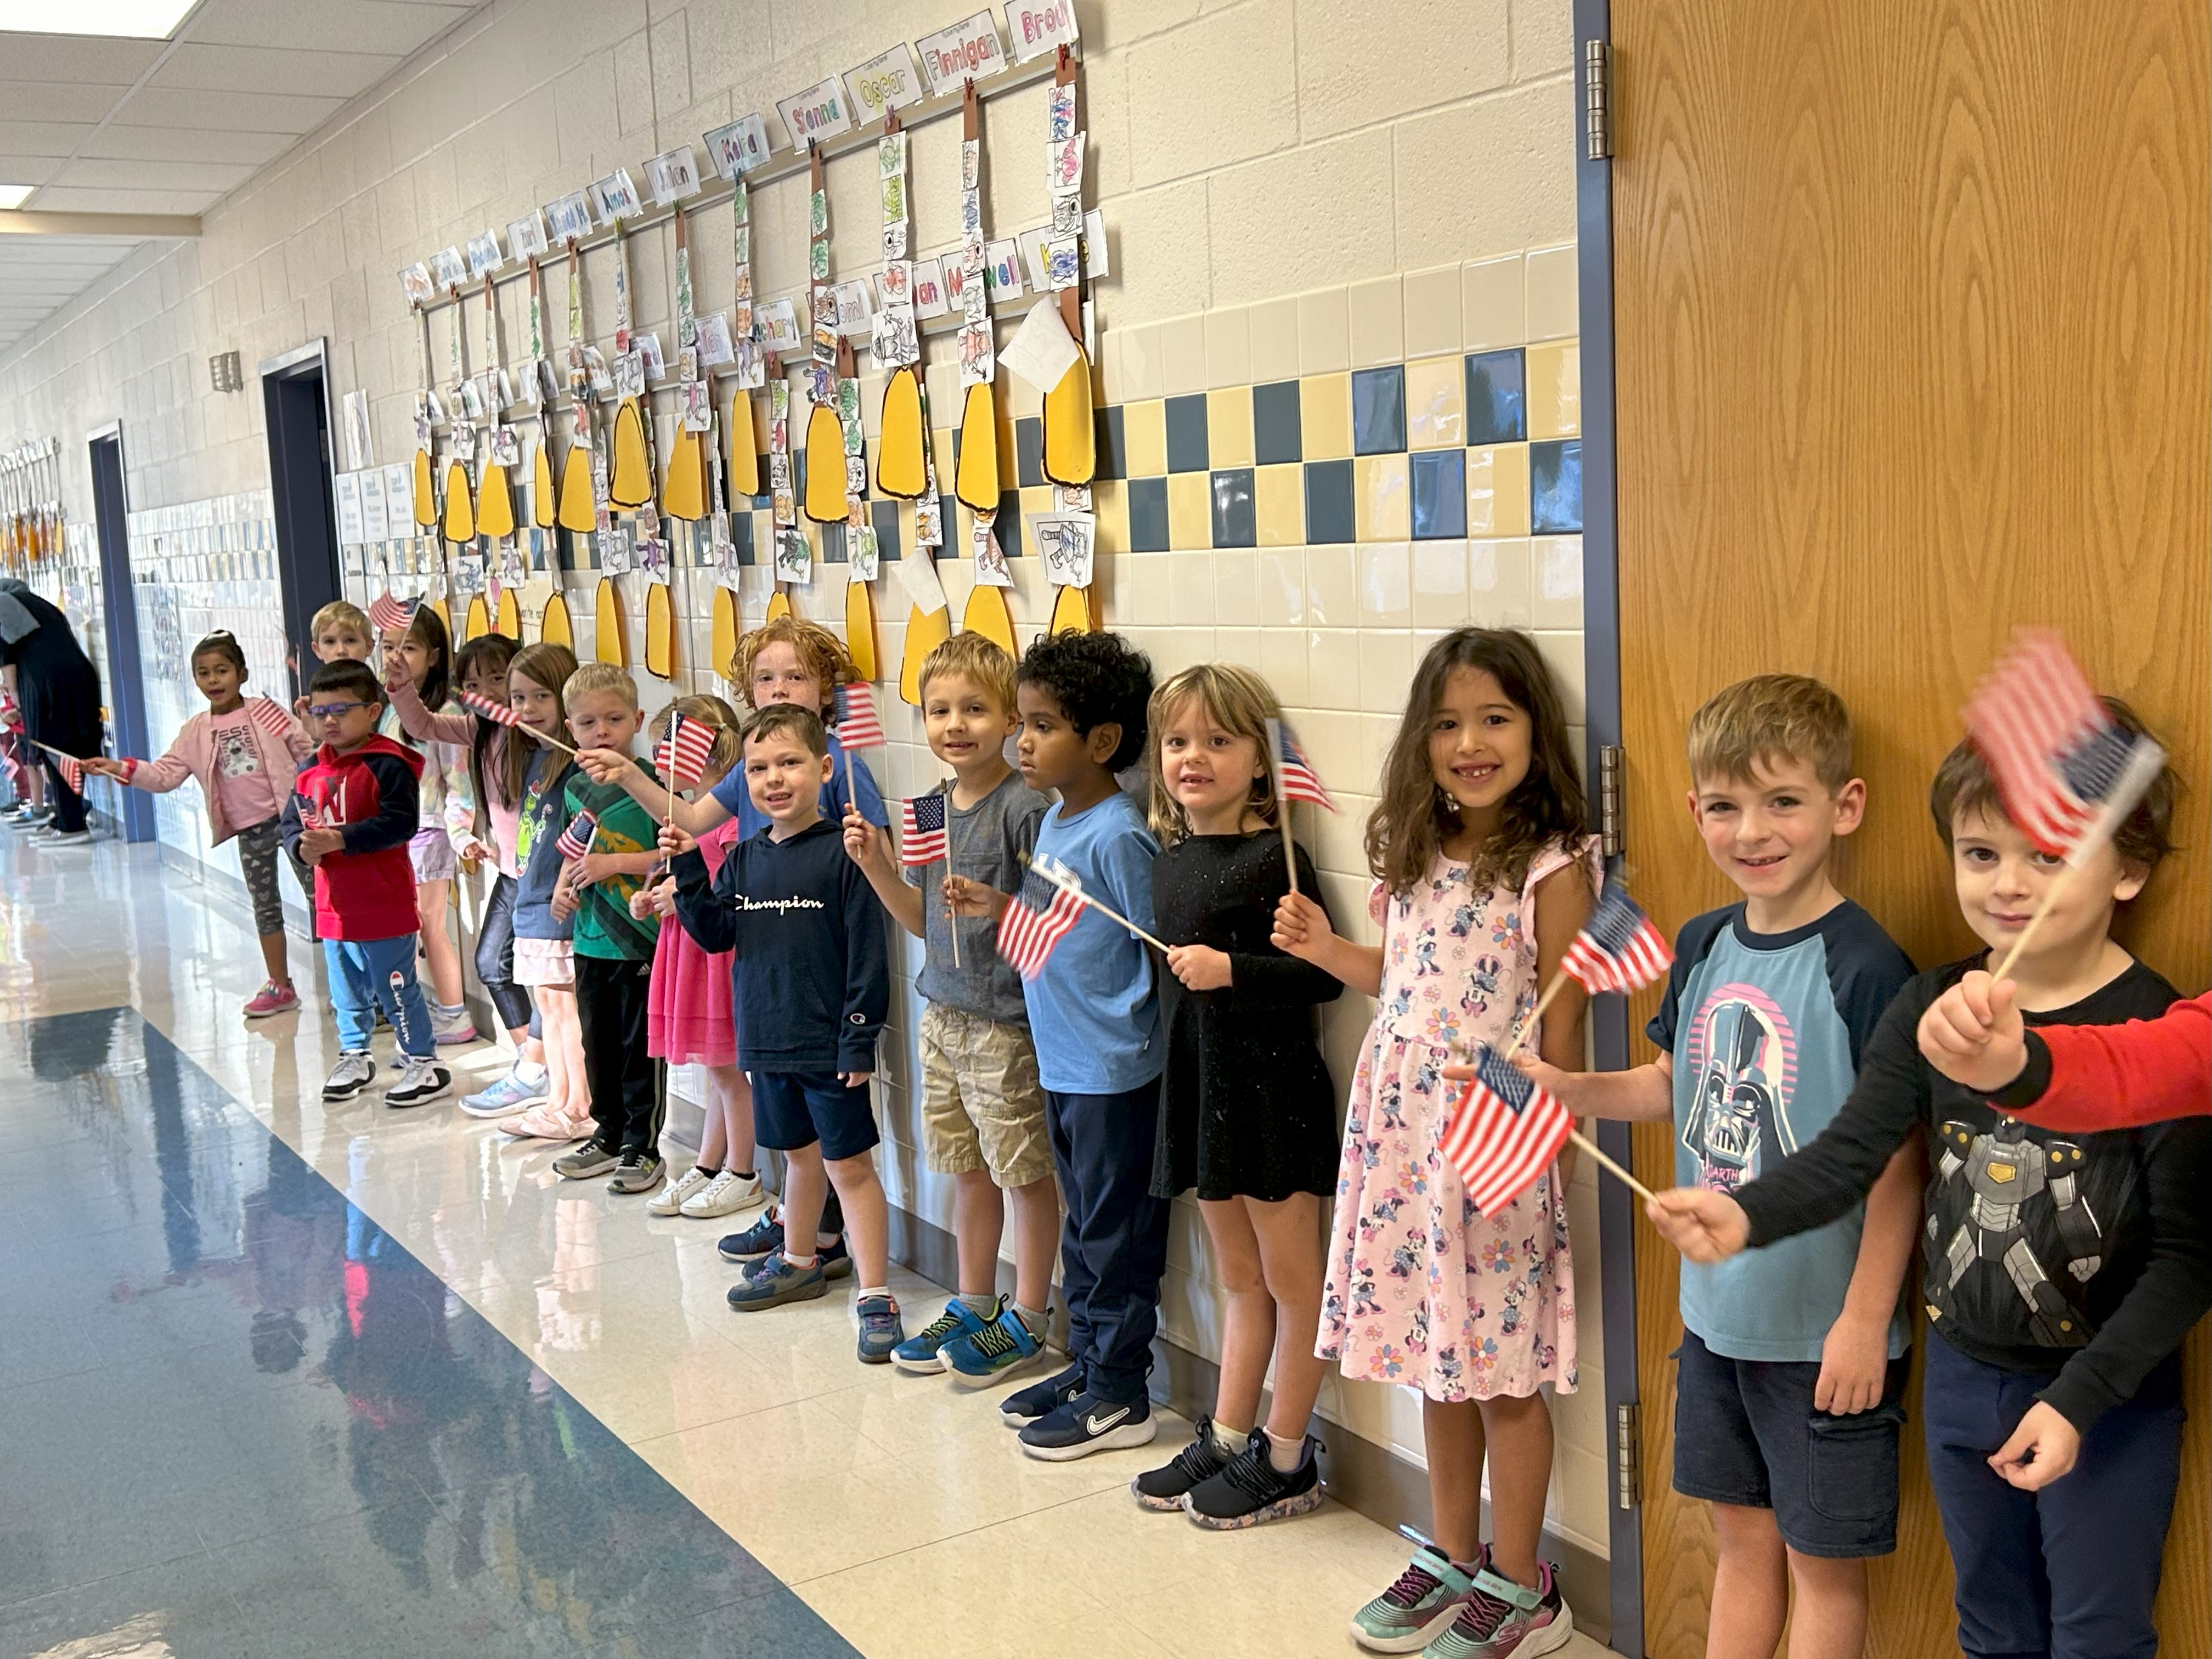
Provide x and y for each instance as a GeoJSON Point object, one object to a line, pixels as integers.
{"type": "Point", "coordinates": [1228, 1442]}
{"type": "Point", "coordinates": [981, 1306]}
{"type": "Point", "coordinates": [882, 1290]}
{"type": "Point", "coordinates": [1286, 1455]}
{"type": "Point", "coordinates": [1034, 1318]}
{"type": "Point", "coordinates": [535, 1076]}
{"type": "Point", "coordinates": [799, 1260]}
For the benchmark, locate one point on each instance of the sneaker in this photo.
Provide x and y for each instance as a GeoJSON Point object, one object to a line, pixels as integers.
{"type": "Point", "coordinates": [272, 999]}
{"type": "Point", "coordinates": [542, 1122]}
{"type": "Point", "coordinates": [450, 1029]}
{"type": "Point", "coordinates": [1250, 1489]}
{"type": "Point", "coordinates": [1165, 1487]}
{"type": "Point", "coordinates": [775, 1282]}
{"type": "Point", "coordinates": [757, 1243]}
{"type": "Point", "coordinates": [1006, 1347]}
{"type": "Point", "coordinates": [349, 1076]}
{"type": "Point", "coordinates": [593, 1158]}
{"type": "Point", "coordinates": [1426, 1599]}
{"type": "Point", "coordinates": [420, 1080]}
{"type": "Point", "coordinates": [670, 1199]}
{"type": "Point", "coordinates": [1087, 1424]}
{"type": "Point", "coordinates": [726, 1194]}
{"type": "Point", "coordinates": [640, 1171]}
{"type": "Point", "coordinates": [1025, 1406]}
{"type": "Point", "coordinates": [506, 1097]}
{"type": "Point", "coordinates": [1504, 1617]}
{"type": "Point", "coordinates": [51, 837]}
{"type": "Point", "coordinates": [920, 1353]}
{"type": "Point", "coordinates": [881, 1332]}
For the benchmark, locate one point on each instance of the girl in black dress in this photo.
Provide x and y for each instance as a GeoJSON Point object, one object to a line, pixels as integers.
{"type": "Point", "coordinates": [1248, 1112]}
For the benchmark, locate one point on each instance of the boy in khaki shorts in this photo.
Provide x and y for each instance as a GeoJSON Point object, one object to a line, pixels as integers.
{"type": "Point", "coordinates": [983, 1107]}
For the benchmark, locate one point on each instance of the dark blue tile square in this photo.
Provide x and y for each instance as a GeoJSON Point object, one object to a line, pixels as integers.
{"type": "Point", "coordinates": [1029, 450]}
{"type": "Point", "coordinates": [1329, 502]}
{"type": "Point", "coordinates": [1439, 488]}
{"type": "Point", "coordinates": [1378, 411]}
{"type": "Point", "coordinates": [1277, 434]}
{"type": "Point", "coordinates": [1497, 397]}
{"type": "Point", "coordinates": [885, 515]}
{"type": "Point", "coordinates": [1235, 522]}
{"type": "Point", "coordinates": [1148, 514]}
{"type": "Point", "coordinates": [1188, 446]}
{"type": "Point", "coordinates": [833, 543]}
{"type": "Point", "coordinates": [766, 500]}
{"type": "Point", "coordinates": [1007, 526]}
{"type": "Point", "coordinates": [1113, 444]}
{"type": "Point", "coordinates": [1555, 487]}
{"type": "Point", "coordinates": [741, 534]}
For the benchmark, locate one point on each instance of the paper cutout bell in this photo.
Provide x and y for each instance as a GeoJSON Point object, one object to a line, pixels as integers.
{"type": "Point", "coordinates": [861, 628]}
{"type": "Point", "coordinates": [1070, 431]}
{"type": "Point", "coordinates": [426, 498]}
{"type": "Point", "coordinates": [745, 460]}
{"type": "Point", "coordinates": [577, 511]}
{"type": "Point", "coordinates": [684, 494]}
{"type": "Point", "coordinates": [986, 614]}
{"type": "Point", "coordinates": [477, 619]}
{"type": "Point", "coordinates": [722, 643]}
{"type": "Point", "coordinates": [630, 485]}
{"type": "Point", "coordinates": [902, 459]}
{"type": "Point", "coordinates": [659, 630]}
{"type": "Point", "coordinates": [976, 480]}
{"type": "Point", "coordinates": [608, 642]}
{"type": "Point", "coordinates": [825, 466]}
{"type": "Point", "coordinates": [542, 500]}
{"type": "Point", "coordinates": [556, 626]}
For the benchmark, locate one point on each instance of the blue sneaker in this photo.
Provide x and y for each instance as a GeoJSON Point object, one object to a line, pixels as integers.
{"type": "Point", "coordinates": [504, 1098]}
{"type": "Point", "coordinates": [999, 1350]}
{"type": "Point", "coordinates": [1087, 1424]}
{"type": "Point", "coordinates": [881, 1332]}
{"type": "Point", "coordinates": [1025, 1406]}
{"type": "Point", "coordinates": [775, 1282]}
{"type": "Point", "coordinates": [919, 1353]}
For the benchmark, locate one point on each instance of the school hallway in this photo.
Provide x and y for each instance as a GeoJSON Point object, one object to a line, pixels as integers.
{"type": "Point", "coordinates": [286, 1379]}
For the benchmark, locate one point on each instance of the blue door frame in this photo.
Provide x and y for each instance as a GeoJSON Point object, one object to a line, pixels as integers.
{"type": "Point", "coordinates": [126, 687]}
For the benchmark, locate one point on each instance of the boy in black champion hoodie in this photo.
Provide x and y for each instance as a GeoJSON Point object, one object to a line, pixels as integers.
{"type": "Point", "coordinates": [810, 970]}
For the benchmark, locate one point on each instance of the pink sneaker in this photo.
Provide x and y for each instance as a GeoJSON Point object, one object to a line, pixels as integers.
{"type": "Point", "coordinates": [544, 1123]}
{"type": "Point", "coordinates": [272, 999]}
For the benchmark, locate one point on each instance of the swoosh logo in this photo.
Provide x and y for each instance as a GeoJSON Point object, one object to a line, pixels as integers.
{"type": "Point", "coordinates": [1096, 1425]}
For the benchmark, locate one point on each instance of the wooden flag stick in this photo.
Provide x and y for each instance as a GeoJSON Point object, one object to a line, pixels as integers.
{"type": "Point", "coordinates": [1535, 1015]}
{"type": "Point", "coordinates": [1081, 897]}
{"type": "Point", "coordinates": [2050, 898]}
{"type": "Point", "coordinates": [1290, 846]}
{"type": "Point", "coordinates": [950, 909]}
{"type": "Point", "coordinates": [1609, 1166]}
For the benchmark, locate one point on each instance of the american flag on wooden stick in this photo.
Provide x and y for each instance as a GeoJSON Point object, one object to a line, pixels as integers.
{"type": "Point", "coordinates": [576, 840]}
{"type": "Point", "coordinates": [1503, 1133]}
{"type": "Point", "coordinates": [1617, 949]}
{"type": "Point", "coordinates": [1037, 919]}
{"type": "Point", "coordinates": [498, 714]}
{"type": "Point", "coordinates": [681, 756]}
{"type": "Point", "coordinates": [270, 716]}
{"type": "Point", "coordinates": [72, 772]}
{"type": "Point", "coordinates": [921, 830]}
{"type": "Point", "coordinates": [856, 722]}
{"type": "Point", "coordinates": [1295, 778]}
{"type": "Point", "coordinates": [391, 615]}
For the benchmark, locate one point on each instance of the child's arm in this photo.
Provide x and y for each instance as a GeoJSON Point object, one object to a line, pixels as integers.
{"type": "Point", "coordinates": [694, 817]}
{"type": "Point", "coordinates": [1302, 929]}
{"type": "Point", "coordinates": [156, 777]}
{"type": "Point", "coordinates": [1264, 979]}
{"type": "Point", "coordinates": [2079, 1077]}
{"type": "Point", "coordinates": [1854, 1359]}
{"type": "Point", "coordinates": [1642, 1094]}
{"type": "Point", "coordinates": [702, 905]}
{"type": "Point", "coordinates": [870, 848]}
{"type": "Point", "coordinates": [396, 812]}
{"type": "Point", "coordinates": [595, 867]}
{"type": "Point", "coordinates": [418, 722]}
{"type": "Point", "coordinates": [868, 980]}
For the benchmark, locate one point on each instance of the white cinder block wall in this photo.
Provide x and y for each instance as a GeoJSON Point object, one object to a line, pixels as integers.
{"type": "Point", "coordinates": [1292, 187]}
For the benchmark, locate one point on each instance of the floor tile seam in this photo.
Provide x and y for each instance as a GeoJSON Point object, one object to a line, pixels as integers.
{"type": "Point", "coordinates": [109, 1578]}
{"type": "Point", "coordinates": [797, 1584]}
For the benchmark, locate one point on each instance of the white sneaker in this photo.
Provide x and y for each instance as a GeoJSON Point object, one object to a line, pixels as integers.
{"type": "Point", "coordinates": [349, 1076]}
{"type": "Point", "coordinates": [670, 1199]}
{"type": "Point", "coordinates": [53, 837]}
{"type": "Point", "coordinates": [451, 1030]}
{"type": "Point", "coordinates": [726, 1194]}
{"type": "Point", "coordinates": [420, 1081]}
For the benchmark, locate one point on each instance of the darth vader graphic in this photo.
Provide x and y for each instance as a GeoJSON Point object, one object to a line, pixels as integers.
{"type": "Point", "coordinates": [1743, 1056]}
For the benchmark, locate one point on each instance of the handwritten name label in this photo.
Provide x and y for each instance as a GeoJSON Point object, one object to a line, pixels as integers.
{"type": "Point", "coordinates": [968, 49]}
{"type": "Point", "coordinates": [1036, 29]}
{"type": "Point", "coordinates": [737, 148]}
{"type": "Point", "coordinates": [818, 112]}
{"type": "Point", "coordinates": [615, 197]}
{"type": "Point", "coordinates": [888, 83]}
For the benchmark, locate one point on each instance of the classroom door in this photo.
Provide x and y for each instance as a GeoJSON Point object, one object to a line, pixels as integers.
{"type": "Point", "coordinates": [1912, 307]}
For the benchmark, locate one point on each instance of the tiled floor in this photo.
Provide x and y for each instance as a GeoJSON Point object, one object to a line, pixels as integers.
{"type": "Point", "coordinates": [280, 1379]}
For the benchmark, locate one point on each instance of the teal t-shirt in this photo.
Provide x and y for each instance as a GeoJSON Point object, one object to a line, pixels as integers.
{"type": "Point", "coordinates": [603, 926]}
{"type": "Point", "coordinates": [1765, 1031]}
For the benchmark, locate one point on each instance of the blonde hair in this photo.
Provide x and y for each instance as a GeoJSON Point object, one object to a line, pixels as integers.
{"type": "Point", "coordinates": [1237, 700]}
{"type": "Point", "coordinates": [1770, 718]}
{"type": "Point", "coordinates": [978, 656]}
{"type": "Point", "coordinates": [597, 677]}
{"type": "Point", "coordinates": [822, 653]}
{"type": "Point", "coordinates": [729, 728]}
{"type": "Point", "coordinates": [340, 613]}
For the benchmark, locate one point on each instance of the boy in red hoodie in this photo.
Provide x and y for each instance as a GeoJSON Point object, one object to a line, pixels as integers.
{"type": "Point", "coordinates": [351, 816]}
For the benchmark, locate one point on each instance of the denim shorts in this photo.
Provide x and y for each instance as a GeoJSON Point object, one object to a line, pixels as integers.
{"type": "Point", "coordinates": [797, 1108]}
{"type": "Point", "coordinates": [1745, 1433]}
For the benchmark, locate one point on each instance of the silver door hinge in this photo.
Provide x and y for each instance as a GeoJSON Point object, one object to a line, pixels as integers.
{"type": "Point", "coordinates": [1627, 1454]}
{"type": "Point", "coordinates": [1597, 99]}
{"type": "Point", "coordinates": [1611, 761]}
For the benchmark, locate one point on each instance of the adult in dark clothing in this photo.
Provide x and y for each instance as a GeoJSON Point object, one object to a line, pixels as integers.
{"type": "Point", "coordinates": [57, 688]}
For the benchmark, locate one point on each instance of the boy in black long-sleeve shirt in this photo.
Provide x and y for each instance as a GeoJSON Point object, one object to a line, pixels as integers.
{"type": "Point", "coordinates": [2063, 1271]}
{"type": "Point", "coordinates": [810, 970]}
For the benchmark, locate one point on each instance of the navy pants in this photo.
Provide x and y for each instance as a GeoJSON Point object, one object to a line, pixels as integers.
{"type": "Point", "coordinates": [1114, 1245]}
{"type": "Point", "coordinates": [2071, 1571]}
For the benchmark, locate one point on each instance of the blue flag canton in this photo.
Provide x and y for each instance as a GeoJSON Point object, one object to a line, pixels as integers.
{"type": "Point", "coordinates": [2093, 765]}
{"type": "Point", "coordinates": [928, 812]}
{"type": "Point", "coordinates": [1616, 921]}
{"type": "Point", "coordinates": [1511, 1088]}
{"type": "Point", "coordinates": [1037, 893]}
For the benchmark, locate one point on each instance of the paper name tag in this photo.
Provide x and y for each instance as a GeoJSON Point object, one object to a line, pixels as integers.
{"type": "Point", "coordinates": [968, 49]}
{"type": "Point", "coordinates": [714, 337]}
{"type": "Point", "coordinates": [887, 82]}
{"type": "Point", "coordinates": [1036, 29]}
{"type": "Point", "coordinates": [415, 282]}
{"type": "Point", "coordinates": [447, 268]}
{"type": "Point", "coordinates": [374, 527]}
{"type": "Point", "coordinates": [485, 255]}
{"type": "Point", "coordinates": [527, 235]}
{"type": "Point", "coordinates": [570, 217]}
{"type": "Point", "coordinates": [615, 197]}
{"type": "Point", "coordinates": [930, 299]}
{"type": "Point", "coordinates": [737, 148]}
{"type": "Point", "coordinates": [779, 324]}
{"type": "Point", "coordinates": [818, 112]}
{"type": "Point", "coordinates": [672, 175]}
{"type": "Point", "coordinates": [345, 488]}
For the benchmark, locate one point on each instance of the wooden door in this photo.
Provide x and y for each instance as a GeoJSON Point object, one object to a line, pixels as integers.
{"type": "Point", "coordinates": [1911, 312]}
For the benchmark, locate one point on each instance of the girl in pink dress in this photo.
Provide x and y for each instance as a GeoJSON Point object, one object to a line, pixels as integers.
{"type": "Point", "coordinates": [1484, 875]}
{"type": "Point", "coordinates": [690, 1016]}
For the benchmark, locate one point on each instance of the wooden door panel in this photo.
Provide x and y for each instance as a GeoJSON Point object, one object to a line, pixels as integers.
{"type": "Point", "coordinates": [1913, 305]}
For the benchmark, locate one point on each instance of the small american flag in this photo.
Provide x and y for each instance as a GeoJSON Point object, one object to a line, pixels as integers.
{"type": "Point", "coordinates": [1503, 1133]}
{"type": "Point", "coordinates": [270, 717]}
{"type": "Point", "coordinates": [1037, 919]}
{"type": "Point", "coordinates": [498, 714]}
{"type": "Point", "coordinates": [921, 830]}
{"type": "Point", "coordinates": [1617, 949]}
{"type": "Point", "coordinates": [857, 725]}
{"type": "Point", "coordinates": [391, 615]}
{"type": "Point", "coordinates": [2067, 771]}
{"type": "Point", "coordinates": [309, 818]}
{"type": "Point", "coordinates": [72, 772]}
{"type": "Point", "coordinates": [1295, 778]}
{"type": "Point", "coordinates": [682, 756]}
{"type": "Point", "coordinates": [576, 840]}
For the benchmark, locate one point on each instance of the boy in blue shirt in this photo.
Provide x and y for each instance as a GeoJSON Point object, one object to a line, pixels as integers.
{"type": "Point", "coordinates": [1793, 1359]}
{"type": "Point", "coordinates": [1094, 1013]}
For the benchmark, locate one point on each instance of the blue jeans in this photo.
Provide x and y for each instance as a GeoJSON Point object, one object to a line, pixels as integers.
{"type": "Point", "coordinates": [368, 973]}
{"type": "Point", "coordinates": [1114, 1247]}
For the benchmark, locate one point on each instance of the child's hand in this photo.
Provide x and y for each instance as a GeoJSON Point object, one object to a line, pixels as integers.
{"type": "Point", "coordinates": [1564, 1085]}
{"type": "Point", "coordinates": [1301, 928]}
{"type": "Point", "coordinates": [591, 868]}
{"type": "Point", "coordinates": [101, 766]}
{"type": "Point", "coordinates": [564, 892]}
{"type": "Point", "coordinates": [2042, 1448]}
{"type": "Point", "coordinates": [479, 852]}
{"type": "Point", "coordinates": [966, 897]}
{"type": "Point", "coordinates": [862, 842]}
{"type": "Point", "coordinates": [317, 844]}
{"type": "Point", "coordinates": [854, 1080]}
{"type": "Point", "coordinates": [603, 765]}
{"type": "Point", "coordinates": [1200, 967]}
{"type": "Point", "coordinates": [664, 901]}
{"type": "Point", "coordinates": [641, 903]}
{"type": "Point", "coordinates": [1706, 1226]}
{"type": "Point", "coordinates": [676, 841]}
{"type": "Point", "coordinates": [1854, 1365]}
{"type": "Point", "coordinates": [299, 709]}
{"type": "Point", "coordinates": [1974, 1035]}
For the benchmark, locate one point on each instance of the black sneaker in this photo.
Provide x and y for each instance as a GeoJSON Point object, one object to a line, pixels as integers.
{"type": "Point", "coordinates": [1250, 1489]}
{"type": "Point", "coordinates": [1164, 1488]}
{"type": "Point", "coordinates": [1024, 1406]}
{"type": "Point", "coordinates": [1087, 1424]}
{"type": "Point", "coordinates": [640, 1171]}
{"type": "Point", "coordinates": [764, 1239]}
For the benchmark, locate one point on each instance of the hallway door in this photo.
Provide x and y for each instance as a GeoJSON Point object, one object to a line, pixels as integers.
{"type": "Point", "coordinates": [296, 403]}
{"type": "Point", "coordinates": [1913, 307]}
{"type": "Point", "coordinates": [126, 678]}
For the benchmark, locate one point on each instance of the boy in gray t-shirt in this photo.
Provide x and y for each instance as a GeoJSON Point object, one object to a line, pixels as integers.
{"type": "Point", "coordinates": [983, 1107]}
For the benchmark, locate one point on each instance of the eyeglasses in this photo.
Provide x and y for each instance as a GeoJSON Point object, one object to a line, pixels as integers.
{"type": "Point", "coordinates": [331, 711]}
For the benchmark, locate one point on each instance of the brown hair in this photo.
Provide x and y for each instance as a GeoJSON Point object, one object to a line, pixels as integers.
{"type": "Point", "coordinates": [779, 718]}
{"type": "Point", "coordinates": [729, 728]}
{"type": "Point", "coordinates": [221, 643]}
{"type": "Point", "coordinates": [1964, 783]}
{"type": "Point", "coordinates": [543, 663]}
{"type": "Point", "coordinates": [822, 653]}
{"type": "Point", "coordinates": [1770, 717]}
{"type": "Point", "coordinates": [978, 656]}
{"type": "Point", "coordinates": [429, 628]}
{"type": "Point", "coordinates": [482, 657]}
{"type": "Point", "coordinates": [1237, 700]}
{"type": "Point", "coordinates": [1406, 829]}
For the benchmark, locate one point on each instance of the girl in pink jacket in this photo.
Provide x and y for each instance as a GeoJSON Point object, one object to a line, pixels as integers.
{"type": "Point", "coordinates": [245, 753]}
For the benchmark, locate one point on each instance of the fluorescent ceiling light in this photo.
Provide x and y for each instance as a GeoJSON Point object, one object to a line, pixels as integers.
{"type": "Point", "coordinates": [147, 20]}
{"type": "Point", "coordinates": [11, 196]}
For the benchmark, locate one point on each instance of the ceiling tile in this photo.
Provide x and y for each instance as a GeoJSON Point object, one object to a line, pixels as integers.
{"type": "Point", "coordinates": [55, 101]}
{"type": "Point", "coordinates": [41, 138]}
{"type": "Point", "coordinates": [236, 112]}
{"type": "Point", "coordinates": [27, 169]}
{"type": "Point", "coordinates": [78, 198]}
{"type": "Point", "coordinates": [318, 74]}
{"type": "Point", "coordinates": [184, 144]}
{"type": "Point", "coordinates": [75, 58]}
{"type": "Point", "coordinates": [393, 26]}
{"type": "Point", "coordinates": [104, 174]}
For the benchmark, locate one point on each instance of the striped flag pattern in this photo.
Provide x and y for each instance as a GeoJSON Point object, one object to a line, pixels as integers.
{"type": "Point", "coordinates": [857, 725]}
{"type": "Point", "coordinates": [681, 757]}
{"type": "Point", "coordinates": [270, 715]}
{"type": "Point", "coordinates": [1617, 949]}
{"type": "Point", "coordinates": [576, 840]}
{"type": "Point", "coordinates": [1037, 919]}
{"type": "Point", "coordinates": [498, 714]}
{"type": "Point", "coordinates": [391, 615]}
{"type": "Point", "coordinates": [1295, 778]}
{"type": "Point", "coordinates": [1503, 1133]}
{"type": "Point", "coordinates": [921, 832]}
{"type": "Point", "coordinates": [72, 772]}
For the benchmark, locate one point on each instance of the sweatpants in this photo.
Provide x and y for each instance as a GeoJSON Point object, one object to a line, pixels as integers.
{"type": "Point", "coordinates": [623, 1079]}
{"type": "Point", "coordinates": [495, 956]}
{"type": "Point", "coordinates": [2071, 1571]}
{"type": "Point", "coordinates": [1114, 1244]}
{"type": "Point", "coordinates": [68, 803]}
{"type": "Point", "coordinates": [369, 974]}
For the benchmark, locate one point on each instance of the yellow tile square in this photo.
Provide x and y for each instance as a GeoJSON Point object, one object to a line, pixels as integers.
{"type": "Point", "coordinates": [1229, 426]}
{"type": "Point", "coordinates": [1382, 510]}
{"type": "Point", "coordinates": [1036, 498]}
{"type": "Point", "coordinates": [1145, 437]}
{"type": "Point", "coordinates": [1109, 506]}
{"type": "Point", "coordinates": [1436, 403]}
{"type": "Point", "coordinates": [1555, 390]}
{"type": "Point", "coordinates": [1190, 510]}
{"type": "Point", "coordinates": [940, 454]}
{"type": "Point", "coordinates": [1498, 490]}
{"type": "Point", "coordinates": [1325, 417]}
{"type": "Point", "coordinates": [1279, 503]}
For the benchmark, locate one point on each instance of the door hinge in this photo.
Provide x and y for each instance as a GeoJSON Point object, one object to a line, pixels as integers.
{"type": "Point", "coordinates": [1611, 761]}
{"type": "Point", "coordinates": [1627, 1454]}
{"type": "Point", "coordinates": [1597, 99]}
